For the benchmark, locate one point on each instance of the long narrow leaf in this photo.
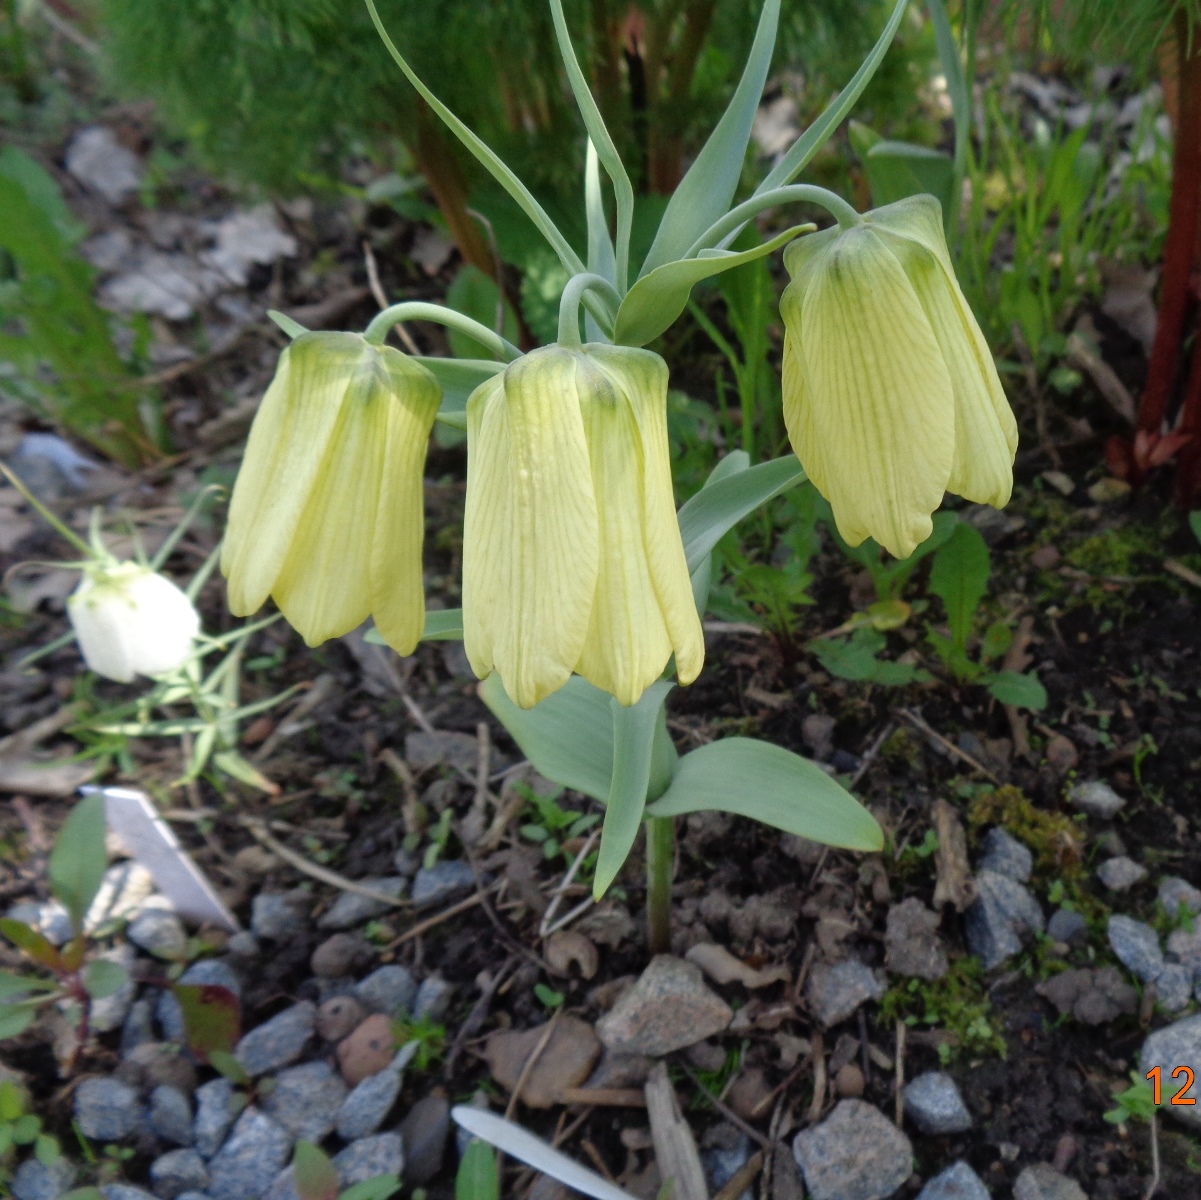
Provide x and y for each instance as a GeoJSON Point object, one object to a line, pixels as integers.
{"type": "Point", "coordinates": [633, 742]}
{"type": "Point", "coordinates": [600, 245]}
{"type": "Point", "coordinates": [770, 784]}
{"type": "Point", "coordinates": [656, 300]}
{"type": "Point", "coordinates": [707, 189]}
{"type": "Point", "coordinates": [78, 860]}
{"type": "Point", "coordinates": [598, 134]}
{"type": "Point", "coordinates": [815, 137]}
{"type": "Point", "coordinates": [459, 377]}
{"type": "Point", "coordinates": [488, 158]}
{"type": "Point", "coordinates": [723, 503]}
{"type": "Point", "coordinates": [534, 1152]}
{"type": "Point", "coordinates": [961, 104]}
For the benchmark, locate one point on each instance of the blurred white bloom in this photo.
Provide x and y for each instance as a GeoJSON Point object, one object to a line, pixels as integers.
{"type": "Point", "coordinates": [131, 621]}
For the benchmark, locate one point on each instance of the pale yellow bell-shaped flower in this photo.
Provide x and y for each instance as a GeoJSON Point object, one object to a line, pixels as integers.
{"type": "Point", "coordinates": [891, 396]}
{"type": "Point", "coordinates": [572, 556]}
{"type": "Point", "coordinates": [327, 514]}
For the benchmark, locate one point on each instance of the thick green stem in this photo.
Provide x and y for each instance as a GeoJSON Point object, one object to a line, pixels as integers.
{"type": "Point", "coordinates": [578, 286]}
{"type": "Point", "coordinates": [737, 217]}
{"type": "Point", "coordinates": [416, 310]}
{"type": "Point", "coordinates": [660, 854]}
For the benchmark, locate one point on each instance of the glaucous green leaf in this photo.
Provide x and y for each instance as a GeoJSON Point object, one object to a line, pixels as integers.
{"type": "Point", "coordinates": [78, 860]}
{"type": "Point", "coordinates": [380, 1188]}
{"type": "Point", "coordinates": [15, 1019]}
{"type": "Point", "coordinates": [897, 170]}
{"type": "Point", "coordinates": [772, 785]}
{"type": "Point", "coordinates": [633, 742]}
{"type": "Point", "coordinates": [652, 305]}
{"type": "Point", "coordinates": [103, 978]}
{"type": "Point", "coordinates": [31, 942]}
{"type": "Point", "coordinates": [459, 377]}
{"type": "Point", "coordinates": [12, 984]}
{"type": "Point", "coordinates": [568, 737]}
{"type": "Point", "coordinates": [313, 1173]}
{"type": "Point", "coordinates": [706, 191]}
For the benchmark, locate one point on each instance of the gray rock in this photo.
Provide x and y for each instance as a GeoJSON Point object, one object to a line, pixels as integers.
{"type": "Point", "coordinates": [368, 1158]}
{"type": "Point", "coordinates": [424, 1132]}
{"type": "Point", "coordinates": [1003, 913]}
{"type": "Point", "coordinates": [1137, 946]}
{"type": "Point", "coordinates": [278, 1042]}
{"type": "Point", "coordinates": [1067, 926]}
{"type": "Point", "coordinates": [209, 972]}
{"type": "Point", "coordinates": [1176, 894]}
{"type": "Point", "coordinates": [244, 949]}
{"type": "Point", "coordinates": [158, 930]}
{"type": "Point", "coordinates": [1121, 874]}
{"type": "Point", "coordinates": [179, 1171]}
{"type": "Point", "coordinates": [933, 1103]}
{"type": "Point", "coordinates": [668, 1008]}
{"type": "Point", "coordinates": [911, 943]}
{"type": "Point", "coordinates": [191, 1196]}
{"type": "Point", "coordinates": [366, 1108]}
{"type": "Point", "coordinates": [50, 919]}
{"type": "Point", "coordinates": [1043, 1182]}
{"type": "Point", "coordinates": [1168, 1048]}
{"type": "Point", "coordinates": [1005, 855]}
{"type": "Point", "coordinates": [725, 1150]}
{"type": "Point", "coordinates": [103, 165]}
{"type": "Point", "coordinates": [109, 1012]}
{"type": "Point", "coordinates": [138, 1027]}
{"type": "Point", "coordinates": [958, 1182]}
{"type": "Point", "coordinates": [443, 882]}
{"type": "Point", "coordinates": [306, 1100]}
{"type": "Point", "coordinates": [36, 1181]}
{"type": "Point", "coordinates": [351, 909]}
{"type": "Point", "coordinates": [283, 1186]}
{"type": "Point", "coordinates": [107, 1109]}
{"type": "Point", "coordinates": [170, 1116]}
{"type": "Point", "coordinates": [1174, 987]}
{"type": "Point", "coordinates": [433, 998]}
{"type": "Point", "coordinates": [245, 1167]}
{"type": "Point", "coordinates": [1097, 799]}
{"type": "Point", "coordinates": [279, 916]}
{"type": "Point", "coordinates": [423, 750]}
{"type": "Point", "coordinates": [216, 1112]}
{"type": "Point", "coordinates": [856, 1153]}
{"type": "Point", "coordinates": [406, 862]}
{"type": "Point", "coordinates": [835, 992]}
{"type": "Point", "coordinates": [122, 1191]}
{"type": "Point", "coordinates": [125, 887]}
{"type": "Point", "coordinates": [1185, 946]}
{"type": "Point", "coordinates": [389, 989]}
{"type": "Point", "coordinates": [340, 955]}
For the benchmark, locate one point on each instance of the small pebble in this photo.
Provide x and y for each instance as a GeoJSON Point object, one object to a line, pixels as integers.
{"type": "Point", "coordinates": [340, 954]}
{"type": "Point", "coordinates": [433, 998]}
{"type": "Point", "coordinates": [1121, 874]}
{"type": "Point", "coordinates": [933, 1103]}
{"type": "Point", "coordinates": [1137, 946]}
{"type": "Point", "coordinates": [424, 1132]}
{"type": "Point", "coordinates": [958, 1182]}
{"type": "Point", "coordinates": [216, 1112]}
{"type": "Point", "coordinates": [107, 1109]}
{"type": "Point", "coordinates": [371, 1157]}
{"type": "Point", "coordinates": [170, 1116]}
{"type": "Point", "coordinates": [1043, 1182]}
{"type": "Point", "coordinates": [443, 882]}
{"type": "Point", "coordinates": [1005, 855]}
{"type": "Point", "coordinates": [366, 1108]}
{"type": "Point", "coordinates": [351, 908]}
{"type": "Point", "coordinates": [280, 916]}
{"type": "Point", "coordinates": [336, 1018]}
{"type": "Point", "coordinates": [158, 930]}
{"type": "Point", "coordinates": [277, 1042]}
{"type": "Point", "coordinates": [35, 1181]}
{"type": "Point", "coordinates": [368, 1050]}
{"type": "Point", "coordinates": [1067, 926]}
{"type": "Point", "coordinates": [1097, 799]}
{"type": "Point", "coordinates": [1176, 894]}
{"type": "Point", "coordinates": [1174, 987]}
{"type": "Point", "coordinates": [389, 989]}
{"type": "Point", "coordinates": [849, 1082]}
{"type": "Point", "coordinates": [306, 1100]}
{"type": "Point", "coordinates": [254, 1155]}
{"type": "Point", "coordinates": [178, 1171]}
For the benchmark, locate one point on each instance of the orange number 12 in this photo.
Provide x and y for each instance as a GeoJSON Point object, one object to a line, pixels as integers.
{"type": "Point", "coordinates": [1155, 1076]}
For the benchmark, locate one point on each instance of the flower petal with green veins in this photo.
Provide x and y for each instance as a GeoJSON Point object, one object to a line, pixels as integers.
{"type": "Point", "coordinates": [870, 412]}
{"type": "Point", "coordinates": [531, 542]}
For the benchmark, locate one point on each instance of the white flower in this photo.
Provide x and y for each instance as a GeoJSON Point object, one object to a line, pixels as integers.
{"type": "Point", "coordinates": [131, 621]}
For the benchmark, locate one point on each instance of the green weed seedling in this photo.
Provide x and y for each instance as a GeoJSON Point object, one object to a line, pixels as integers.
{"type": "Point", "coordinates": [428, 1034]}
{"type": "Point", "coordinates": [478, 1178]}
{"type": "Point", "coordinates": [552, 825]}
{"type": "Point", "coordinates": [316, 1178]}
{"type": "Point", "coordinates": [959, 578]}
{"type": "Point", "coordinates": [72, 978]}
{"type": "Point", "coordinates": [21, 1130]}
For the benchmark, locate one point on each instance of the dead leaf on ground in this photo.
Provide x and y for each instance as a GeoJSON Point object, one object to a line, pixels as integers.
{"type": "Point", "coordinates": [955, 884]}
{"type": "Point", "coordinates": [723, 967]}
{"type": "Point", "coordinates": [675, 1147]}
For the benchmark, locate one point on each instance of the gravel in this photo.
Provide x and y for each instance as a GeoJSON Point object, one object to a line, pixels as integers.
{"type": "Point", "coordinates": [389, 989]}
{"type": "Point", "coordinates": [856, 1153]}
{"type": "Point", "coordinates": [1137, 946]}
{"type": "Point", "coordinates": [443, 882]}
{"type": "Point", "coordinates": [364, 1109]}
{"type": "Point", "coordinates": [215, 1115]}
{"type": "Point", "coordinates": [1121, 874]}
{"type": "Point", "coordinates": [1168, 1048]}
{"type": "Point", "coordinates": [958, 1182]}
{"type": "Point", "coordinates": [1174, 987]}
{"type": "Point", "coordinates": [1067, 926]}
{"type": "Point", "coordinates": [934, 1105]}
{"type": "Point", "coordinates": [138, 1027]}
{"type": "Point", "coordinates": [1097, 799]}
{"type": "Point", "coordinates": [107, 1109]}
{"type": "Point", "coordinates": [1005, 855]}
{"type": "Point", "coordinates": [158, 930]}
{"type": "Point", "coordinates": [245, 1167]}
{"type": "Point", "coordinates": [351, 909]}
{"type": "Point", "coordinates": [280, 916]}
{"type": "Point", "coordinates": [1043, 1182]}
{"type": "Point", "coordinates": [278, 1042]}
{"type": "Point", "coordinates": [306, 1100]}
{"type": "Point", "coordinates": [835, 992]}
{"type": "Point", "coordinates": [424, 1132]}
{"type": "Point", "coordinates": [369, 1158]}
{"type": "Point", "coordinates": [433, 998]}
{"type": "Point", "coordinates": [178, 1171]}
{"type": "Point", "coordinates": [1176, 894]}
{"type": "Point", "coordinates": [35, 1181]}
{"type": "Point", "coordinates": [1003, 914]}
{"type": "Point", "coordinates": [170, 1116]}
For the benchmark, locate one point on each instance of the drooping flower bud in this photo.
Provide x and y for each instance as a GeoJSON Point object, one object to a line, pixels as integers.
{"type": "Point", "coordinates": [572, 557]}
{"type": "Point", "coordinates": [130, 620]}
{"type": "Point", "coordinates": [327, 513]}
{"type": "Point", "coordinates": [891, 396]}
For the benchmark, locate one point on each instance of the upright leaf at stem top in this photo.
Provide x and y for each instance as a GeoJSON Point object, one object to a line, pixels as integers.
{"type": "Point", "coordinates": [707, 189]}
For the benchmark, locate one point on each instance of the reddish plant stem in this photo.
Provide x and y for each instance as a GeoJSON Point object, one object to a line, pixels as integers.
{"type": "Point", "coordinates": [1180, 246]}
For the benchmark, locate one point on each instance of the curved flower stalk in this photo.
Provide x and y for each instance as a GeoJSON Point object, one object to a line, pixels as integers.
{"type": "Point", "coordinates": [130, 620]}
{"type": "Point", "coordinates": [891, 396]}
{"type": "Point", "coordinates": [572, 557]}
{"type": "Point", "coordinates": [327, 514]}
